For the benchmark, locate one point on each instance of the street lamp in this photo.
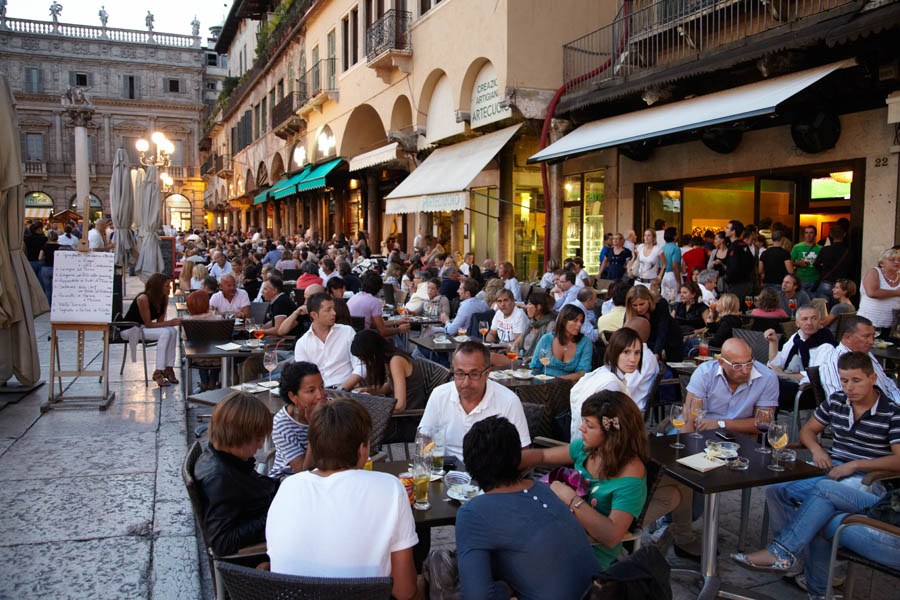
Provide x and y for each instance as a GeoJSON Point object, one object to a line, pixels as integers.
{"type": "Point", "coordinates": [167, 181]}
{"type": "Point", "coordinates": [164, 150]}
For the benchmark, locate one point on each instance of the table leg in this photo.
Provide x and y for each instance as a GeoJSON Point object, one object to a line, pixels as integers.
{"type": "Point", "coordinates": [53, 358]}
{"type": "Point", "coordinates": [188, 384]}
{"type": "Point", "coordinates": [745, 517]}
{"type": "Point", "coordinates": [105, 376]}
{"type": "Point", "coordinates": [227, 366]}
{"type": "Point", "coordinates": [710, 547]}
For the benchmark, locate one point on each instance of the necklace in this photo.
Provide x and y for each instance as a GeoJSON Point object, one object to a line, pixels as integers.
{"type": "Point", "coordinates": [892, 281]}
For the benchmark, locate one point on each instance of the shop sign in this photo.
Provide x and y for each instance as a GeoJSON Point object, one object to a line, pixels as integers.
{"type": "Point", "coordinates": [486, 98]}
{"type": "Point", "coordinates": [444, 202]}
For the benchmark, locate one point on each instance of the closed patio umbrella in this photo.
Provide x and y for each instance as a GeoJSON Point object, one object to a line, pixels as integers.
{"type": "Point", "coordinates": [150, 258]}
{"type": "Point", "coordinates": [21, 296]}
{"type": "Point", "coordinates": [121, 200]}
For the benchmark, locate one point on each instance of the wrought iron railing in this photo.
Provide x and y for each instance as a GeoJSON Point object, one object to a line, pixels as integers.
{"type": "Point", "coordinates": [208, 165]}
{"type": "Point", "coordinates": [111, 34]}
{"type": "Point", "coordinates": [219, 164]}
{"type": "Point", "coordinates": [322, 77]}
{"type": "Point", "coordinates": [649, 34]}
{"type": "Point", "coordinates": [390, 32]}
{"type": "Point", "coordinates": [287, 108]}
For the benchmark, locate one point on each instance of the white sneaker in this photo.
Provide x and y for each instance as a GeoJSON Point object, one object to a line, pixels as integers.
{"type": "Point", "coordinates": [659, 532]}
{"type": "Point", "coordinates": [837, 581]}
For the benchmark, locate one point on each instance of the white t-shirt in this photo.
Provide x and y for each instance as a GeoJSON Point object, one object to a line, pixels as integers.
{"type": "Point", "coordinates": [581, 278]}
{"type": "Point", "coordinates": [648, 266]}
{"type": "Point", "coordinates": [444, 408]}
{"type": "Point", "coordinates": [597, 380]}
{"type": "Point", "coordinates": [67, 240]}
{"type": "Point", "coordinates": [640, 382]}
{"type": "Point", "coordinates": [343, 525]}
{"type": "Point", "coordinates": [508, 328]}
{"type": "Point", "coordinates": [331, 356]}
{"type": "Point", "coordinates": [707, 295]}
{"type": "Point", "coordinates": [95, 239]}
{"type": "Point", "coordinates": [221, 305]}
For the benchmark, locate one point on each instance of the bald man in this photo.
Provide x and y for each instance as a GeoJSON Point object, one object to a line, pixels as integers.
{"type": "Point", "coordinates": [731, 389]}
{"type": "Point", "coordinates": [640, 382]}
{"type": "Point", "coordinates": [298, 322]}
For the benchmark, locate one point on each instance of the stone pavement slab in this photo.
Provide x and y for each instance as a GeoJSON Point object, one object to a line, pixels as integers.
{"type": "Point", "coordinates": [175, 575]}
{"type": "Point", "coordinates": [112, 568]}
{"type": "Point", "coordinates": [120, 417]}
{"type": "Point", "coordinates": [75, 508]}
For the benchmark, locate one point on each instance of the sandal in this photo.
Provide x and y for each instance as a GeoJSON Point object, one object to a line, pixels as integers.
{"type": "Point", "coordinates": [170, 375]}
{"type": "Point", "coordinates": [781, 565]}
{"type": "Point", "coordinates": [160, 378]}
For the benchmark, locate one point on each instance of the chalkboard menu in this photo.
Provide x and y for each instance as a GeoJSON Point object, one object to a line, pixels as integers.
{"type": "Point", "coordinates": [167, 246]}
{"type": "Point", "coordinates": [82, 287]}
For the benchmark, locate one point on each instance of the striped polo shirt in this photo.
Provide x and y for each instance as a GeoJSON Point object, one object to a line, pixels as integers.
{"type": "Point", "coordinates": [871, 436]}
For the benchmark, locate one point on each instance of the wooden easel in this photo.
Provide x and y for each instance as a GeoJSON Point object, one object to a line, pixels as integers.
{"type": "Point", "coordinates": [56, 374]}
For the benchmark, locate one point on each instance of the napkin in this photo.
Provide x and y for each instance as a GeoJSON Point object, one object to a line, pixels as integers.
{"type": "Point", "coordinates": [229, 346]}
{"type": "Point", "coordinates": [699, 462]}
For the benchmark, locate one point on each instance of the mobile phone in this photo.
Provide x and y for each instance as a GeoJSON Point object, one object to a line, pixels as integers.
{"type": "Point", "coordinates": [725, 436]}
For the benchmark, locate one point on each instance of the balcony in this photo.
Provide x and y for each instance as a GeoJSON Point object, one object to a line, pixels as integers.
{"type": "Point", "coordinates": [224, 170]}
{"type": "Point", "coordinates": [320, 85]}
{"type": "Point", "coordinates": [35, 168]}
{"type": "Point", "coordinates": [388, 45]}
{"type": "Point", "coordinates": [209, 165]}
{"type": "Point", "coordinates": [285, 121]}
{"type": "Point", "coordinates": [179, 172]}
{"type": "Point", "coordinates": [653, 35]}
{"type": "Point", "coordinates": [106, 34]}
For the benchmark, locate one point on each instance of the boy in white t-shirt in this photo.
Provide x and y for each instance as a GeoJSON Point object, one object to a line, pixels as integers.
{"type": "Point", "coordinates": [510, 322]}
{"type": "Point", "coordinates": [340, 520]}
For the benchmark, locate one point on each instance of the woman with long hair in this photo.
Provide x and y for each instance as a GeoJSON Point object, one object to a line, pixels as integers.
{"type": "Point", "coordinates": [664, 333]}
{"type": "Point", "coordinates": [184, 278]}
{"type": "Point", "coordinates": [691, 314]}
{"type": "Point", "coordinates": [301, 389]}
{"type": "Point", "coordinates": [149, 310]}
{"type": "Point", "coordinates": [570, 351]}
{"type": "Point", "coordinates": [609, 456]}
{"type": "Point", "coordinates": [729, 310]}
{"type": "Point", "coordinates": [199, 274]}
{"type": "Point", "coordinates": [648, 258]}
{"type": "Point", "coordinates": [843, 291]}
{"type": "Point", "coordinates": [389, 370]}
{"type": "Point", "coordinates": [768, 304]}
{"type": "Point", "coordinates": [539, 308]}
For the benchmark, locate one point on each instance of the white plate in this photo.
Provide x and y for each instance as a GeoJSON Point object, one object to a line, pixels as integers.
{"type": "Point", "coordinates": [498, 375]}
{"type": "Point", "coordinates": [461, 338]}
{"type": "Point", "coordinates": [458, 492]}
{"type": "Point", "coordinates": [522, 374]}
{"type": "Point", "coordinates": [882, 344]}
{"type": "Point", "coordinates": [543, 377]}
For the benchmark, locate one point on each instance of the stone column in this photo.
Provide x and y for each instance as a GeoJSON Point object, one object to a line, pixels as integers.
{"type": "Point", "coordinates": [373, 221]}
{"type": "Point", "coordinates": [58, 126]}
{"type": "Point", "coordinates": [81, 113]}
{"type": "Point", "coordinates": [555, 217]}
{"type": "Point", "coordinates": [276, 219]}
{"type": "Point", "coordinates": [107, 141]}
{"type": "Point", "coordinates": [244, 226]}
{"type": "Point", "coordinates": [506, 192]}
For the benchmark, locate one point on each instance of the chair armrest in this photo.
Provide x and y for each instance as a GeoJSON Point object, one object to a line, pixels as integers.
{"type": "Point", "coordinates": [259, 548]}
{"type": "Point", "coordinates": [409, 412]}
{"type": "Point", "coordinates": [546, 442]}
{"type": "Point", "coordinates": [874, 476]}
{"type": "Point", "coordinates": [670, 381]}
{"type": "Point", "coordinates": [870, 522]}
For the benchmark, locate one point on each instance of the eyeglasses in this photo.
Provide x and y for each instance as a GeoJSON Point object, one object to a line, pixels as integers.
{"type": "Point", "coordinates": [476, 376]}
{"type": "Point", "coordinates": [738, 366]}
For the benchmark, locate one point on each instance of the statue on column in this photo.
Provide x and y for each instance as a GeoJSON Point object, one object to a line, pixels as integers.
{"type": "Point", "coordinates": [149, 21]}
{"type": "Point", "coordinates": [55, 11]}
{"type": "Point", "coordinates": [3, 10]}
{"type": "Point", "coordinates": [195, 27]}
{"type": "Point", "coordinates": [104, 16]}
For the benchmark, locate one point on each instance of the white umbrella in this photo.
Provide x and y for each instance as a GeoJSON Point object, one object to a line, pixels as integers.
{"type": "Point", "coordinates": [121, 200]}
{"type": "Point", "coordinates": [21, 297]}
{"type": "Point", "coordinates": [150, 258]}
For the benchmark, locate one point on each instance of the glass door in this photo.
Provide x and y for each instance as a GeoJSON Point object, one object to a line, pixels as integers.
{"type": "Point", "coordinates": [593, 220]}
{"type": "Point", "coordinates": [777, 203]}
{"type": "Point", "coordinates": [665, 204]}
{"type": "Point", "coordinates": [572, 216]}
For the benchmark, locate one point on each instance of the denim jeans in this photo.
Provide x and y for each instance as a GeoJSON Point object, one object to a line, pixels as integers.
{"type": "Point", "coordinates": [825, 290]}
{"type": "Point", "coordinates": [807, 286]}
{"type": "Point", "coordinates": [783, 499]}
{"type": "Point", "coordinates": [46, 278]}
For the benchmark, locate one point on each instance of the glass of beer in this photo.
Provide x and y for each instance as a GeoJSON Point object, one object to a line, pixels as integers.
{"type": "Point", "coordinates": [437, 452]}
{"type": "Point", "coordinates": [421, 481]}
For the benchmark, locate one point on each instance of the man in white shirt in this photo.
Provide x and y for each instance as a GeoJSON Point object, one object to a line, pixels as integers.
{"type": "Point", "coordinates": [327, 345]}
{"type": "Point", "coordinates": [327, 270]}
{"type": "Point", "coordinates": [95, 237]}
{"type": "Point", "coordinates": [859, 336]}
{"type": "Point", "coordinates": [220, 266]}
{"type": "Point", "coordinates": [810, 346]}
{"type": "Point", "coordinates": [510, 322]}
{"type": "Point", "coordinates": [471, 397]}
{"type": "Point", "coordinates": [640, 381]}
{"type": "Point", "coordinates": [230, 299]}
{"type": "Point", "coordinates": [341, 520]}
{"type": "Point", "coordinates": [508, 275]}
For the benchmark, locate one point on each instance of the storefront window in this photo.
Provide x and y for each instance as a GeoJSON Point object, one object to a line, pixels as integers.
{"type": "Point", "coordinates": [593, 220]}
{"type": "Point", "coordinates": [441, 228]}
{"type": "Point", "coordinates": [528, 228]}
{"type": "Point", "coordinates": [355, 217]}
{"type": "Point", "coordinates": [572, 216]}
{"type": "Point", "coordinates": [776, 202]}
{"type": "Point", "coordinates": [711, 204]}
{"type": "Point", "coordinates": [484, 219]}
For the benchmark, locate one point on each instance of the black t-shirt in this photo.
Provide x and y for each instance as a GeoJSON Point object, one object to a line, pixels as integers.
{"type": "Point", "coordinates": [835, 262]}
{"type": "Point", "coordinates": [34, 243]}
{"type": "Point", "coordinates": [773, 264]}
{"type": "Point", "coordinates": [50, 249]}
{"type": "Point", "coordinates": [281, 306]}
{"type": "Point", "coordinates": [739, 263]}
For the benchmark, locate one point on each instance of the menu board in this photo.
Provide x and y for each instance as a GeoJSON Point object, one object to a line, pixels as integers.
{"type": "Point", "coordinates": [167, 246]}
{"type": "Point", "coordinates": [82, 287]}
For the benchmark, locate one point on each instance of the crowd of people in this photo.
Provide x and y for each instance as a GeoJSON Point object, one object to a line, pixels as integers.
{"type": "Point", "coordinates": [330, 297]}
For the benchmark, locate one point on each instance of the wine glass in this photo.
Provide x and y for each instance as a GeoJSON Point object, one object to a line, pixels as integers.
{"type": "Point", "coordinates": [251, 328]}
{"type": "Point", "coordinates": [749, 300]}
{"type": "Point", "coordinates": [512, 353]}
{"type": "Point", "coordinates": [270, 362]}
{"type": "Point", "coordinates": [765, 415]}
{"type": "Point", "coordinates": [792, 304]}
{"type": "Point", "coordinates": [778, 438]}
{"type": "Point", "coordinates": [677, 414]}
{"type": "Point", "coordinates": [544, 358]}
{"type": "Point", "coordinates": [483, 328]}
{"type": "Point", "coordinates": [697, 414]}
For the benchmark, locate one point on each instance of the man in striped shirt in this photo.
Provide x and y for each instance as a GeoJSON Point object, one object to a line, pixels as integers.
{"type": "Point", "coordinates": [866, 426]}
{"type": "Point", "coordinates": [859, 336]}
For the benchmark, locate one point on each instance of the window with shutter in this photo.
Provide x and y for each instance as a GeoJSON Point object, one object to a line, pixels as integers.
{"type": "Point", "coordinates": [34, 147]}
{"type": "Point", "coordinates": [173, 86]}
{"type": "Point", "coordinates": [32, 80]}
{"type": "Point", "coordinates": [81, 79]}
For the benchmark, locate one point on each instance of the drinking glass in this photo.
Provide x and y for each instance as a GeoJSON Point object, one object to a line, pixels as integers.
{"type": "Point", "coordinates": [544, 358]}
{"type": "Point", "coordinates": [677, 414]}
{"type": "Point", "coordinates": [778, 438]}
{"type": "Point", "coordinates": [765, 415]}
{"type": "Point", "coordinates": [421, 480]}
{"type": "Point", "coordinates": [749, 300]}
{"type": "Point", "coordinates": [512, 353]}
{"type": "Point", "coordinates": [697, 413]}
{"type": "Point", "coordinates": [792, 304]}
{"type": "Point", "coordinates": [251, 329]}
{"type": "Point", "coordinates": [437, 452]}
{"type": "Point", "coordinates": [483, 328]}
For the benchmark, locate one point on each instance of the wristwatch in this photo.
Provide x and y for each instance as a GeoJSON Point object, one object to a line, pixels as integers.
{"type": "Point", "coordinates": [721, 424]}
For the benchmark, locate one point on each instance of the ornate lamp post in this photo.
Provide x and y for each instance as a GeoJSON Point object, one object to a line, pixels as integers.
{"type": "Point", "coordinates": [164, 150]}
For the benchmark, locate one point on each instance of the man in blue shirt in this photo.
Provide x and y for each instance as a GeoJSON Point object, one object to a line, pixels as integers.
{"type": "Point", "coordinates": [569, 292]}
{"type": "Point", "coordinates": [586, 300]}
{"type": "Point", "coordinates": [672, 279]}
{"type": "Point", "coordinates": [469, 306]}
{"type": "Point", "coordinates": [272, 256]}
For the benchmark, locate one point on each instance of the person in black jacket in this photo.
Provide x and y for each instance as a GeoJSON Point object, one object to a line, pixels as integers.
{"type": "Point", "coordinates": [729, 311]}
{"type": "Point", "coordinates": [664, 331]}
{"type": "Point", "coordinates": [236, 497]}
{"type": "Point", "coordinates": [740, 265]}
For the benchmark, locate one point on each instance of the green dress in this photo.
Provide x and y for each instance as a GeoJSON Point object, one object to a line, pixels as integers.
{"type": "Point", "coordinates": [627, 494]}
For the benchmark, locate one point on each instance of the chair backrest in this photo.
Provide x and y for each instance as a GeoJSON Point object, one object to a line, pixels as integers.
{"type": "Point", "coordinates": [379, 407]}
{"type": "Point", "coordinates": [763, 323]}
{"type": "Point", "coordinates": [358, 323]}
{"type": "Point", "coordinates": [487, 315]}
{"type": "Point", "coordinates": [244, 583]}
{"type": "Point", "coordinates": [387, 291]}
{"type": "Point", "coordinates": [201, 330]}
{"type": "Point", "coordinates": [291, 274]}
{"type": "Point", "coordinates": [524, 290]}
{"type": "Point", "coordinates": [258, 311]}
{"type": "Point", "coordinates": [533, 415]}
{"type": "Point", "coordinates": [653, 473]}
{"type": "Point", "coordinates": [842, 324]}
{"type": "Point", "coordinates": [653, 396]}
{"type": "Point", "coordinates": [815, 379]}
{"type": "Point", "coordinates": [822, 305]}
{"type": "Point", "coordinates": [454, 307]}
{"type": "Point", "coordinates": [193, 488]}
{"type": "Point", "coordinates": [553, 397]}
{"type": "Point", "coordinates": [789, 328]}
{"type": "Point", "coordinates": [759, 347]}
{"type": "Point", "coordinates": [603, 284]}
{"type": "Point", "coordinates": [433, 374]}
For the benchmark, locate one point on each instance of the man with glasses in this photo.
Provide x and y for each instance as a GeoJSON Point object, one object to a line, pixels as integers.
{"type": "Point", "coordinates": [731, 389]}
{"type": "Point", "coordinates": [471, 397]}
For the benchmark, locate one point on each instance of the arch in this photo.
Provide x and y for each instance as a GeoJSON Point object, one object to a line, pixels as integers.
{"type": "Point", "coordinates": [276, 169]}
{"type": "Point", "coordinates": [178, 201]}
{"type": "Point", "coordinates": [262, 175]}
{"type": "Point", "coordinates": [297, 156]}
{"type": "Point", "coordinates": [38, 200]}
{"type": "Point", "coordinates": [96, 203]}
{"type": "Point", "coordinates": [425, 96]}
{"type": "Point", "coordinates": [249, 181]}
{"type": "Point", "coordinates": [465, 90]}
{"type": "Point", "coordinates": [440, 116]}
{"type": "Point", "coordinates": [364, 132]}
{"type": "Point", "coordinates": [324, 145]}
{"type": "Point", "coordinates": [401, 114]}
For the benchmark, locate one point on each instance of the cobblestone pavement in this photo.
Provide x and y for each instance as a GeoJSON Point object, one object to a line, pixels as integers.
{"type": "Point", "coordinates": [94, 507]}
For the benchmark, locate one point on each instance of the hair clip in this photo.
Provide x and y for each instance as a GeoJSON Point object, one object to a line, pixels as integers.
{"type": "Point", "coordinates": [607, 422]}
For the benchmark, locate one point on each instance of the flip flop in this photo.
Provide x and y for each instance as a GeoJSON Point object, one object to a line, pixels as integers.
{"type": "Point", "coordinates": [781, 565]}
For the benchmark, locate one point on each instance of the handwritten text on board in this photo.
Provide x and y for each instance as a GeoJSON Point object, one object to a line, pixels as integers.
{"type": "Point", "coordinates": [82, 287]}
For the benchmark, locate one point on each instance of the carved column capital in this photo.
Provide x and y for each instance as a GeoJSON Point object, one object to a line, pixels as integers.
{"type": "Point", "coordinates": [80, 115]}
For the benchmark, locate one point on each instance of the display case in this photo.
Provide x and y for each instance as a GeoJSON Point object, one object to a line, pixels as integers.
{"type": "Point", "coordinates": [593, 220]}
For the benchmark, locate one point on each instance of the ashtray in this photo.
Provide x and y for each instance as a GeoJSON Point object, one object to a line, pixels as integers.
{"type": "Point", "coordinates": [738, 464]}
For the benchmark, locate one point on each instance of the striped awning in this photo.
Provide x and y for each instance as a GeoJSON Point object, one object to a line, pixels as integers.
{"type": "Point", "coordinates": [37, 213]}
{"type": "Point", "coordinates": [316, 178]}
{"type": "Point", "coordinates": [288, 187]}
{"type": "Point", "coordinates": [374, 157]}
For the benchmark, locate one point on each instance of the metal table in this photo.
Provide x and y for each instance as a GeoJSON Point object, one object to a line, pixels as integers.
{"type": "Point", "coordinates": [193, 351]}
{"type": "Point", "coordinates": [719, 480]}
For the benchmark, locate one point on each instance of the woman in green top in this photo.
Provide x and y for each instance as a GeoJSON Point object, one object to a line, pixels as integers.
{"type": "Point", "coordinates": [610, 456]}
{"type": "Point", "coordinates": [567, 348]}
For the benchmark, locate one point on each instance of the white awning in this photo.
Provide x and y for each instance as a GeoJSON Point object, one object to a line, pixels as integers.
{"type": "Point", "coordinates": [749, 100]}
{"type": "Point", "coordinates": [37, 213]}
{"type": "Point", "coordinates": [374, 157]}
{"type": "Point", "coordinates": [440, 182]}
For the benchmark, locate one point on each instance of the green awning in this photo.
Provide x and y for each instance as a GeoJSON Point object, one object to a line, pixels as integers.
{"type": "Point", "coordinates": [316, 177]}
{"type": "Point", "coordinates": [261, 197]}
{"type": "Point", "coordinates": [286, 187]}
